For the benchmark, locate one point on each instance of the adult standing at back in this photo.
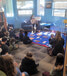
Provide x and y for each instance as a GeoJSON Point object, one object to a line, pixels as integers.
{"type": "Point", "coordinates": [34, 22]}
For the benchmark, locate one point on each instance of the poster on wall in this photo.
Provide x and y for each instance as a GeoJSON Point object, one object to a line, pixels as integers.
{"type": "Point", "coordinates": [48, 4]}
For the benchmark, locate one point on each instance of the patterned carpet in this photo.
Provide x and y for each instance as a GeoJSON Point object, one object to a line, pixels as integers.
{"type": "Point", "coordinates": [42, 38]}
{"type": "Point", "coordinates": [39, 53]}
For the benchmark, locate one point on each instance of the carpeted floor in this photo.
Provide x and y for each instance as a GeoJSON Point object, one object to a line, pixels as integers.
{"type": "Point", "coordinates": [40, 55]}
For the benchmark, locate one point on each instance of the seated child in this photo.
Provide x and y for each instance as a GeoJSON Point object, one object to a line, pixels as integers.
{"type": "Point", "coordinates": [4, 47]}
{"type": "Point", "coordinates": [21, 35]}
{"type": "Point", "coordinates": [57, 44]}
{"type": "Point", "coordinates": [51, 40]}
{"type": "Point", "coordinates": [28, 64]}
{"type": "Point", "coordinates": [9, 66]}
{"type": "Point", "coordinates": [2, 73]}
{"type": "Point", "coordinates": [26, 39]}
{"type": "Point", "coordinates": [58, 68]}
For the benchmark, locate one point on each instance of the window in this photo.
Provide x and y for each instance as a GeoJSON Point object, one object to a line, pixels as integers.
{"type": "Point", "coordinates": [9, 8]}
{"type": "Point", "coordinates": [59, 8]}
{"type": "Point", "coordinates": [25, 7]}
{"type": "Point", "coordinates": [60, 13]}
{"type": "Point", "coordinates": [41, 6]}
{"type": "Point", "coordinates": [60, 5]}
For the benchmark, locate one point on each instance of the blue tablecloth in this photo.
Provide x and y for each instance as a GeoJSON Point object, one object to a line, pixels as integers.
{"type": "Point", "coordinates": [46, 24]}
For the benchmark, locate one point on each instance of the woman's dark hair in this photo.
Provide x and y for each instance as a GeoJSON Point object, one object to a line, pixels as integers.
{"type": "Point", "coordinates": [31, 16]}
{"type": "Point", "coordinates": [7, 65]}
{"type": "Point", "coordinates": [58, 36]}
{"type": "Point", "coordinates": [59, 59]}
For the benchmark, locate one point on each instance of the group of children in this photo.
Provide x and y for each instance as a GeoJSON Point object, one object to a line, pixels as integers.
{"type": "Point", "coordinates": [28, 67]}
{"type": "Point", "coordinates": [56, 42]}
{"type": "Point", "coordinates": [8, 67]}
{"type": "Point", "coordinates": [56, 49]}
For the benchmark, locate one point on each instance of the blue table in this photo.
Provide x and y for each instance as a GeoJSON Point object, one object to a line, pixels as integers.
{"type": "Point", "coordinates": [46, 25]}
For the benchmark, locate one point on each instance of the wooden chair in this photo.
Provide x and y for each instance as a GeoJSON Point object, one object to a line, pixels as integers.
{"type": "Point", "coordinates": [65, 61]}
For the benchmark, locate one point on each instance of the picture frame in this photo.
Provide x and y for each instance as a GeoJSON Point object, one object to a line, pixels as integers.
{"type": "Point", "coordinates": [48, 4]}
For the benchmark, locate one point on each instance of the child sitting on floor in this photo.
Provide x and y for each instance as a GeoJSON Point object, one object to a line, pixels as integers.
{"type": "Point", "coordinates": [26, 39]}
{"type": "Point", "coordinates": [57, 44]}
{"type": "Point", "coordinates": [28, 64]}
{"type": "Point", "coordinates": [51, 40]}
{"type": "Point", "coordinates": [9, 66]}
{"type": "Point", "coordinates": [58, 68]}
{"type": "Point", "coordinates": [21, 35]}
